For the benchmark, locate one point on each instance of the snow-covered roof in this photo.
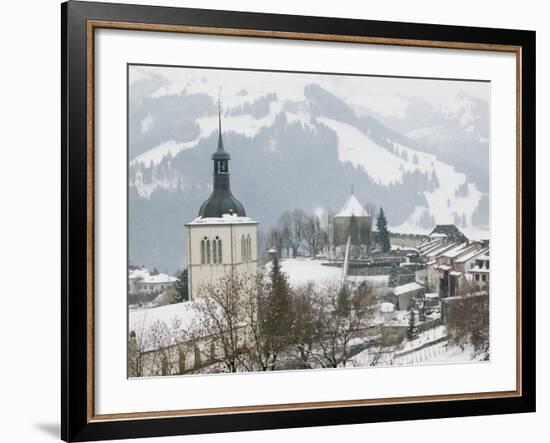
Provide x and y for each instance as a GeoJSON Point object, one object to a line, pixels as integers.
{"type": "Point", "coordinates": [387, 307]}
{"type": "Point", "coordinates": [145, 276]}
{"type": "Point", "coordinates": [455, 273]}
{"type": "Point", "coordinates": [470, 255]}
{"type": "Point", "coordinates": [141, 320]}
{"type": "Point", "coordinates": [438, 251]}
{"type": "Point", "coordinates": [478, 269]}
{"type": "Point", "coordinates": [483, 257]}
{"type": "Point", "coordinates": [224, 219]}
{"type": "Point", "coordinates": [456, 251]}
{"type": "Point", "coordinates": [403, 289]}
{"type": "Point", "coordinates": [444, 267]}
{"type": "Point", "coordinates": [431, 295]}
{"type": "Point", "coordinates": [352, 207]}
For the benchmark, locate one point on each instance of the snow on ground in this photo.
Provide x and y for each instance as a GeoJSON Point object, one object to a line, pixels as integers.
{"type": "Point", "coordinates": [441, 352]}
{"type": "Point", "coordinates": [358, 149]}
{"type": "Point", "coordinates": [301, 271]}
{"type": "Point", "coordinates": [354, 146]}
{"type": "Point", "coordinates": [141, 320]}
{"type": "Point", "coordinates": [156, 154]}
{"type": "Point", "coordinates": [381, 280]}
{"type": "Point", "coordinates": [243, 124]}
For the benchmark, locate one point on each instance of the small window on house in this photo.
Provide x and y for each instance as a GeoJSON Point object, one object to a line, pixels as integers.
{"type": "Point", "coordinates": [477, 277]}
{"type": "Point", "coordinates": [197, 356]}
{"type": "Point", "coordinates": [483, 277]}
{"type": "Point", "coordinates": [215, 251]}
{"type": "Point", "coordinates": [219, 250]}
{"type": "Point", "coordinates": [203, 251]}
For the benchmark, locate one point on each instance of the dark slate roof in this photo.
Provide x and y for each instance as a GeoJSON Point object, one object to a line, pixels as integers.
{"type": "Point", "coordinates": [221, 153]}
{"type": "Point", "coordinates": [221, 202]}
{"type": "Point", "coordinates": [451, 231]}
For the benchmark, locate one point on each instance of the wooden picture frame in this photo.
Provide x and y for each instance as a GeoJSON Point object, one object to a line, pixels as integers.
{"type": "Point", "coordinates": [79, 22]}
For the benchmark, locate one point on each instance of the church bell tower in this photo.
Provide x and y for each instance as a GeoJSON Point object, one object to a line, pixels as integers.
{"type": "Point", "coordinates": [222, 239]}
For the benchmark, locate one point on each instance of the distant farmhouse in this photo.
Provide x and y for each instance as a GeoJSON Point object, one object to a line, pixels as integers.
{"type": "Point", "coordinates": [142, 281]}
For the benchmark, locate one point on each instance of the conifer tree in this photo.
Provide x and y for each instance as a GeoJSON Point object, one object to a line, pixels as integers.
{"type": "Point", "coordinates": [393, 279]}
{"type": "Point", "coordinates": [181, 287]}
{"type": "Point", "coordinates": [383, 233]}
{"type": "Point", "coordinates": [411, 330]}
{"type": "Point", "coordinates": [278, 318]}
{"type": "Point", "coordinates": [343, 303]}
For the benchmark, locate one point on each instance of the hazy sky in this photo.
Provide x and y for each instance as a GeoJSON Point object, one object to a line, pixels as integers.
{"type": "Point", "coordinates": [357, 89]}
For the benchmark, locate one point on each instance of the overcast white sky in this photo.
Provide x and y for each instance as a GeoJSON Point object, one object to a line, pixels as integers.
{"type": "Point", "coordinates": [378, 92]}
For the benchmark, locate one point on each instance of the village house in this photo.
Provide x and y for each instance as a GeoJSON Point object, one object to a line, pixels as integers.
{"type": "Point", "coordinates": [404, 295]}
{"type": "Point", "coordinates": [480, 273]}
{"type": "Point", "coordinates": [141, 281]}
{"type": "Point", "coordinates": [449, 255]}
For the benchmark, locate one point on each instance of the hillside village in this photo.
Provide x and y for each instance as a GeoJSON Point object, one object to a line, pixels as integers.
{"type": "Point", "coordinates": [318, 291]}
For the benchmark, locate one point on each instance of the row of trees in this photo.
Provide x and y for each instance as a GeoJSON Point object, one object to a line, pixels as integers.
{"type": "Point", "coordinates": [296, 229]}
{"type": "Point", "coordinates": [260, 323]}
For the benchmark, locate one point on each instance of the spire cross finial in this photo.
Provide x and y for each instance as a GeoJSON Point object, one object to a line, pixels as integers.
{"type": "Point", "coordinates": [219, 111]}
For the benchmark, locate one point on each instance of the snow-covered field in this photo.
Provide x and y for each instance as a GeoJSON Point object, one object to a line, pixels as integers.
{"type": "Point", "coordinates": [440, 352]}
{"type": "Point", "coordinates": [301, 271]}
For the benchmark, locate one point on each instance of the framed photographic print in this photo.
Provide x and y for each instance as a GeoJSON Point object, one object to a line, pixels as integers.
{"type": "Point", "coordinates": [277, 221]}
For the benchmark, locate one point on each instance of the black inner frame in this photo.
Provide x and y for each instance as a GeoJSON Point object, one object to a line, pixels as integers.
{"type": "Point", "coordinates": [74, 423]}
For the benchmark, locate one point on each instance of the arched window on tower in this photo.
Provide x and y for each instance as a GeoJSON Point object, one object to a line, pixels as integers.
{"type": "Point", "coordinates": [203, 251]}
{"type": "Point", "coordinates": [243, 249]}
{"type": "Point", "coordinates": [248, 248]}
{"type": "Point", "coordinates": [208, 252]}
{"type": "Point", "coordinates": [219, 241]}
{"type": "Point", "coordinates": [215, 251]}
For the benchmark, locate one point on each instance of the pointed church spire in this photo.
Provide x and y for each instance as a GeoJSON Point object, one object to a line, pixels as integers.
{"type": "Point", "coordinates": [220, 153]}
{"type": "Point", "coordinates": [221, 201]}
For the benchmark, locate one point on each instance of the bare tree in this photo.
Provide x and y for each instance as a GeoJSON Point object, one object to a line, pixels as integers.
{"type": "Point", "coordinates": [276, 240]}
{"type": "Point", "coordinates": [314, 236]}
{"type": "Point", "coordinates": [334, 322]}
{"type": "Point", "coordinates": [468, 321]}
{"type": "Point", "coordinates": [291, 225]}
{"type": "Point", "coordinates": [222, 319]}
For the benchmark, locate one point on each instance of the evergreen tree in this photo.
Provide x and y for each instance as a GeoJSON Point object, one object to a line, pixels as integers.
{"type": "Point", "coordinates": [277, 321]}
{"type": "Point", "coordinates": [411, 330]}
{"type": "Point", "coordinates": [364, 235]}
{"type": "Point", "coordinates": [343, 303]}
{"type": "Point", "coordinates": [393, 279]}
{"type": "Point", "coordinates": [181, 287]}
{"type": "Point", "coordinates": [383, 233]}
{"type": "Point", "coordinates": [353, 231]}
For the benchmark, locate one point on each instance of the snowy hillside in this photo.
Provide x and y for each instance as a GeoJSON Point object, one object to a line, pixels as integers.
{"type": "Point", "coordinates": [338, 132]}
